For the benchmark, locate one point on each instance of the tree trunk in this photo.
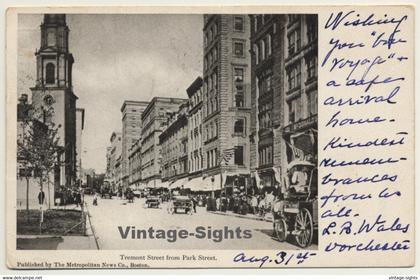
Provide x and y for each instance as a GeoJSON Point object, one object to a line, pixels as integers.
{"type": "Point", "coordinates": [27, 199]}
{"type": "Point", "coordinates": [49, 196]}
{"type": "Point", "coordinates": [41, 220]}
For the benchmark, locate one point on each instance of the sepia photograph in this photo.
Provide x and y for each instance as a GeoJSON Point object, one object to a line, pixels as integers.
{"type": "Point", "coordinates": [167, 131]}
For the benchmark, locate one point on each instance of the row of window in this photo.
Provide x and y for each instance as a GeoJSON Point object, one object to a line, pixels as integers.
{"type": "Point", "coordinates": [238, 26]}
{"type": "Point", "coordinates": [294, 36]}
{"type": "Point", "coordinates": [265, 155]}
{"type": "Point", "coordinates": [263, 49]}
{"type": "Point", "coordinates": [264, 119]}
{"type": "Point", "coordinates": [195, 120]}
{"type": "Point", "coordinates": [212, 130]}
{"type": "Point", "coordinates": [212, 158]}
{"type": "Point", "coordinates": [196, 98]}
{"type": "Point", "coordinates": [294, 72]}
{"type": "Point", "coordinates": [260, 20]}
{"type": "Point", "coordinates": [196, 162]}
{"type": "Point", "coordinates": [211, 34]}
{"type": "Point", "coordinates": [211, 58]}
{"type": "Point", "coordinates": [295, 107]}
{"type": "Point", "coordinates": [212, 105]}
{"type": "Point", "coordinates": [210, 82]}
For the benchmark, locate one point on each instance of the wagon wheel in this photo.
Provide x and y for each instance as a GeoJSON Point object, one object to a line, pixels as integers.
{"type": "Point", "coordinates": [280, 229]}
{"type": "Point", "coordinates": [304, 228]}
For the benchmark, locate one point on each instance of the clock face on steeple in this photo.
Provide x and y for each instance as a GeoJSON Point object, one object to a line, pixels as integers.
{"type": "Point", "coordinates": [49, 100]}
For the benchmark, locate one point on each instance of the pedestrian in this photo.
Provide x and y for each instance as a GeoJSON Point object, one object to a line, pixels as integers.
{"type": "Point", "coordinates": [95, 199]}
{"type": "Point", "coordinates": [261, 205]}
{"type": "Point", "coordinates": [194, 202]}
{"type": "Point", "coordinates": [41, 197]}
{"type": "Point", "coordinates": [78, 199]}
{"type": "Point", "coordinates": [218, 203]}
{"type": "Point", "coordinates": [254, 204]}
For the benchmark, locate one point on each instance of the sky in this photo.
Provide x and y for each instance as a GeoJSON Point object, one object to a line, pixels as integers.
{"type": "Point", "coordinates": [117, 58]}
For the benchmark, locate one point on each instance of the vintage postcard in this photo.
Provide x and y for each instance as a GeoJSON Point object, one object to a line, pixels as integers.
{"type": "Point", "coordinates": [210, 137]}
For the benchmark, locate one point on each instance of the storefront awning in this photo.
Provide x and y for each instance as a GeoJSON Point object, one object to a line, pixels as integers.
{"type": "Point", "coordinates": [304, 141]}
{"type": "Point", "coordinates": [210, 183]}
{"type": "Point", "coordinates": [195, 185]}
{"type": "Point", "coordinates": [163, 184]}
{"type": "Point", "coordinates": [142, 186]}
{"type": "Point", "coordinates": [178, 183]}
{"type": "Point", "coordinates": [154, 184]}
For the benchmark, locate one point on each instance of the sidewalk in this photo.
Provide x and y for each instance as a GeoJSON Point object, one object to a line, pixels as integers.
{"type": "Point", "coordinates": [267, 217]}
{"type": "Point", "coordinates": [56, 242]}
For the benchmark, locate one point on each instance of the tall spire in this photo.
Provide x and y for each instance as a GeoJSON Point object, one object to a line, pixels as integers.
{"type": "Point", "coordinates": [54, 61]}
{"type": "Point", "coordinates": [54, 32]}
{"type": "Point", "coordinates": [55, 19]}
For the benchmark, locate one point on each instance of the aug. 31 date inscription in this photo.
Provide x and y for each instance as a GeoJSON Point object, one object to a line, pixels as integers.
{"type": "Point", "coordinates": [281, 258]}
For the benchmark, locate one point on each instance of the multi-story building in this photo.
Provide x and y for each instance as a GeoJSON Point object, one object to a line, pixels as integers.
{"type": "Point", "coordinates": [195, 129]}
{"type": "Point", "coordinates": [118, 174]}
{"type": "Point", "coordinates": [283, 86]}
{"type": "Point", "coordinates": [301, 88]}
{"type": "Point", "coordinates": [116, 150]}
{"type": "Point", "coordinates": [267, 87]}
{"type": "Point", "coordinates": [131, 130]}
{"type": "Point", "coordinates": [108, 172]}
{"type": "Point", "coordinates": [174, 149]}
{"type": "Point", "coordinates": [154, 119]}
{"type": "Point", "coordinates": [134, 160]}
{"type": "Point", "coordinates": [226, 100]}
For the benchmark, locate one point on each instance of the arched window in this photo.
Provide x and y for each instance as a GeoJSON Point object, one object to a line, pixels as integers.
{"type": "Point", "coordinates": [256, 53]}
{"type": "Point", "coordinates": [262, 50]}
{"type": "Point", "coordinates": [268, 45]}
{"type": "Point", "coordinates": [50, 73]}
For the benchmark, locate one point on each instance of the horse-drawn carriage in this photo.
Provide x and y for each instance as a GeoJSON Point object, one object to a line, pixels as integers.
{"type": "Point", "coordinates": [297, 213]}
{"type": "Point", "coordinates": [106, 190]}
{"type": "Point", "coordinates": [182, 203]}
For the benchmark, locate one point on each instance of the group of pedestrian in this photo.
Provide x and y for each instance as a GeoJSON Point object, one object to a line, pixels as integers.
{"type": "Point", "coordinates": [69, 195]}
{"type": "Point", "coordinates": [241, 203]}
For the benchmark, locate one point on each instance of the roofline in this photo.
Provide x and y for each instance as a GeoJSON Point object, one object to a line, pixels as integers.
{"type": "Point", "coordinates": [198, 83]}
{"type": "Point", "coordinates": [160, 98]}
{"type": "Point", "coordinates": [133, 102]}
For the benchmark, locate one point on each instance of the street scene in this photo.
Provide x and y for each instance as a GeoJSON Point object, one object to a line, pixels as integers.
{"type": "Point", "coordinates": [105, 221]}
{"type": "Point", "coordinates": [133, 128]}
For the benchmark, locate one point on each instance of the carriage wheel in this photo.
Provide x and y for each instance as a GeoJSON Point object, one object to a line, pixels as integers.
{"type": "Point", "coordinates": [280, 229]}
{"type": "Point", "coordinates": [304, 228]}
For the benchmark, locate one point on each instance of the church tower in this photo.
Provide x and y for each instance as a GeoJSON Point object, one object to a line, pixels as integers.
{"type": "Point", "coordinates": [53, 90]}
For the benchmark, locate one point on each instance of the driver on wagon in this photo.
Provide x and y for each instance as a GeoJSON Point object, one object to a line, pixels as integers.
{"type": "Point", "coordinates": [299, 180]}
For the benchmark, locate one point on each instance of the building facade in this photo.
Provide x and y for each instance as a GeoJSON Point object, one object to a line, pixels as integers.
{"type": "Point", "coordinates": [226, 100]}
{"type": "Point", "coordinates": [134, 160]}
{"type": "Point", "coordinates": [174, 148]}
{"type": "Point", "coordinates": [131, 130]}
{"type": "Point", "coordinates": [52, 95]}
{"type": "Point", "coordinates": [300, 130]}
{"type": "Point", "coordinates": [267, 87]}
{"type": "Point", "coordinates": [115, 154]}
{"type": "Point", "coordinates": [284, 92]}
{"type": "Point", "coordinates": [195, 129]}
{"type": "Point", "coordinates": [154, 119]}
{"type": "Point", "coordinates": [108, 169]}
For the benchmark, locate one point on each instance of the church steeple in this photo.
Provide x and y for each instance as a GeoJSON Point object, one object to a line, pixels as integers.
{"type": "Point", "coordinates": [54, 61]}
{"type": "Point", "coordinates": [54, 32]}
{"type": "Point", "coordinates": [53, 90]}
